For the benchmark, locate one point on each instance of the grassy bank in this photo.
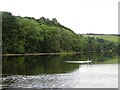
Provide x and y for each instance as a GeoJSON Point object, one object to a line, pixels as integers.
{"type": "Point", "coordinates": [105, 37]}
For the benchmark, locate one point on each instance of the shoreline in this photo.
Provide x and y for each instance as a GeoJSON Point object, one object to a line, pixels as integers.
{"type": "Point", "coordinates": [37, 54]}
{"type": "Point", "coordinates": [40, 54]}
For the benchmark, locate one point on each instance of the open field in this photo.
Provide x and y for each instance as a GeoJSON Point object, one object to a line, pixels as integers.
{"type": "Point", "coordinates": [105, 37]}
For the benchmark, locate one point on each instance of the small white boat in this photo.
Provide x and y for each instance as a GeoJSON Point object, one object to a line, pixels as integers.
{"type": "Point", "coordinates": [78, 61]}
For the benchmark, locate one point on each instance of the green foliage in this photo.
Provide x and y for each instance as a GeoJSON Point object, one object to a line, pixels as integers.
{"type": "Point", "coordinates": [30, 35]}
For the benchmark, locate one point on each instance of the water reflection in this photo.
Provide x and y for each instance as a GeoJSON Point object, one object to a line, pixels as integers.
{"type": "Point", "coordinates": [52, 71]}
{"type": "Point", "coordinates": [35, 65]}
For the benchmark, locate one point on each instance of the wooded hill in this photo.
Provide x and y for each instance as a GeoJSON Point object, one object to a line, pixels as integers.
{"type": "Point", "coordinates": [30, 35]}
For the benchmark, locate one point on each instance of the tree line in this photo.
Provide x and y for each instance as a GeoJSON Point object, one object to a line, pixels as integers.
{"type": "Point", "coordinates": [30, 35]}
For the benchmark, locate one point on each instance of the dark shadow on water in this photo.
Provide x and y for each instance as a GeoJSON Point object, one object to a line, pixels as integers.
{"type": "Point", "coordinates": [55, 64]}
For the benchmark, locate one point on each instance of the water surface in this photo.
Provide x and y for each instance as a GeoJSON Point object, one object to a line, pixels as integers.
{"type": "Point", "coordinates": [52, 71]}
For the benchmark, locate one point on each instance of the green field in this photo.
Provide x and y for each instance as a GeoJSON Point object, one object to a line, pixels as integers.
{"type": "Point", "coordinates": [105, 37]}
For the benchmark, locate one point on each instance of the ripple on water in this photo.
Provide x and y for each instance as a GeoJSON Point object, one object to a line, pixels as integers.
{"type": "Point", "coordinates": [87, 76]}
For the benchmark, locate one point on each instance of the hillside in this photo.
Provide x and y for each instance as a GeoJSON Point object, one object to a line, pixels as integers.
{"type": "Point", "coordinates": [29, 35]}
{"type": "Point", "coordinates": [111, 38]}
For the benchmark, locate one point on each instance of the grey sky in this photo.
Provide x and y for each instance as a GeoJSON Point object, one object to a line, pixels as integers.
{"type": "Point", "coordinates": [82, 16]}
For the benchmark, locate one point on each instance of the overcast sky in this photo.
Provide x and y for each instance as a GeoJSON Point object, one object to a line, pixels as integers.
{"type": "Point", "coordinates": [82, 16]}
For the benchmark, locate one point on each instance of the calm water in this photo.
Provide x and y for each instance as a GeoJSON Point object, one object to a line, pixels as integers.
{"type": "Point", "coordinates": [52, 71]}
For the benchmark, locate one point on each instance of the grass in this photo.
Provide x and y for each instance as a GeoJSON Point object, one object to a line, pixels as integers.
{"type": "Point", "coordinates": [105, 37]}
{"type": "Point", "coordinates": [111, 61]}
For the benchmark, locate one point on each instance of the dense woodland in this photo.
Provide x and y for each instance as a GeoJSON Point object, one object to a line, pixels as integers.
{"type": "Point", "coordinates": [30, 35]}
